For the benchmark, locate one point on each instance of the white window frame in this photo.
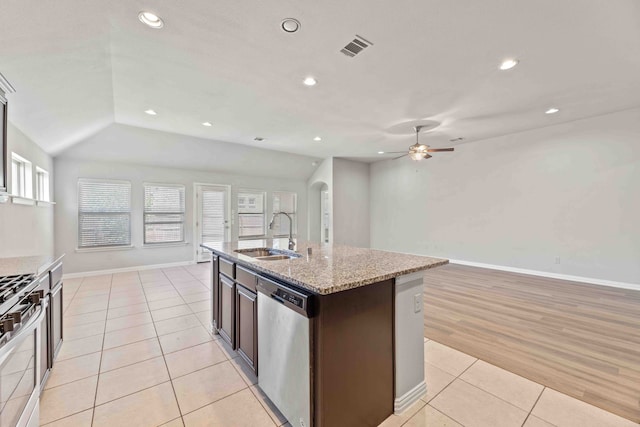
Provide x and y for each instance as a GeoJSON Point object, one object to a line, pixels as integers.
{"type": "Point", "coordinates": [90, 248]}
{"type": "Point", "coordinates": [43, 189]}
{"type": "Point", "coordinates": [145, 213]}
{"type": "Point", "coordinates": [264, 213]}
{"type": "Point", "coordinates": [293, 215]}
{"type": "Point", "coordinates": [21, 177]}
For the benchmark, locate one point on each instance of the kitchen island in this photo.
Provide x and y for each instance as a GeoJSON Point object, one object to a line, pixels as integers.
{"type": "Point", "coordinates": [334, 333]}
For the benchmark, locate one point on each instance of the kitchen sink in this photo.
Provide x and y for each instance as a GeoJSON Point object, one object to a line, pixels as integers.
{"type": "Point", "coordinates": [268, 254]}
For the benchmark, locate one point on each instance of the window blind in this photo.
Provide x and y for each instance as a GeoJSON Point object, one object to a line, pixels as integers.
{"type": "Point", "coordinates": [164, 207]}
{"type": "Point", "coordinates": [284, 201]}
{"type": "Point", "coordinates": [104, 213]}
{"type": "Point", "coordinates": [213, 216]}
{"type": "Point", "coordinates": [251, 214]}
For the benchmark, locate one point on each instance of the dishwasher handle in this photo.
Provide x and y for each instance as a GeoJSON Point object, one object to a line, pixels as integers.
{"type": "Point", "coordinates": [294, 299]}
{"type": "Point", "coordinates": [277, 298]}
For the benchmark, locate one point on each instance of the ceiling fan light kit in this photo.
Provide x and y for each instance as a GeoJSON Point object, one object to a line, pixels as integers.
{"type": "Point", "coordinates": [419, 151]}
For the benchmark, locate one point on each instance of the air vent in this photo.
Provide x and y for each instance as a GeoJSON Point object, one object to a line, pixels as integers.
{"type": "Point", "coordinates": [356, 46]}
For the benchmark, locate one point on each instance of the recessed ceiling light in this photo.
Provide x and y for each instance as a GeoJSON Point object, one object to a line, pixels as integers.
{"type": "Point", "coordinates": [290, 25]}
{"type": "Point", "coordinates": [380, 152]}
{"type": "Point", "coordinates": [151, 19]}
{"type": "Point", "coordinates": [207, 124]}
{"type": "Point", "coordinates": [310, 81]}
{"type": "Point", "coordinates": [150, 112]}
{"type": "Point", "coordinates": [508, 64]}
{"type": "Point", "coordinates": [317, 139]}
{"type": "Point", "coordinates": [552, 111]}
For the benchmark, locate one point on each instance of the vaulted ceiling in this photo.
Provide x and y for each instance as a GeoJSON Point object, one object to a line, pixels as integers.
{"type": "Point", "coordinates": [79, 66]}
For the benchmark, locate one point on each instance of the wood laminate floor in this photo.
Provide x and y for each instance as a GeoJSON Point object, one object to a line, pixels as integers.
{"type": "Point", "coordinates": [582, 340]}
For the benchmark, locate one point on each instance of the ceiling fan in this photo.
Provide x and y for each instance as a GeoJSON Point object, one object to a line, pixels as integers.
{"type": "Point", "coordinates": [419, 151]}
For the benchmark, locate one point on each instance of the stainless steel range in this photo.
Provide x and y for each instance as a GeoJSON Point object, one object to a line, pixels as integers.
{"type": "Point", "coordinates": [22, 312]}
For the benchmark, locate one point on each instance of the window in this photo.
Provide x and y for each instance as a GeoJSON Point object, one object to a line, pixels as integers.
{"type": "Point", "coordinates": [251, 218]}
{"type": "Point", "coordinates": [104, 213]}
{"type": "Point", "coordinates": [163, 213]}
{"type": "Point", "coordinates": [42, 185]}
{"type": "Point", "coordinates": [21, 180]}
{"type": "Point", "coordinates": [284, 202]}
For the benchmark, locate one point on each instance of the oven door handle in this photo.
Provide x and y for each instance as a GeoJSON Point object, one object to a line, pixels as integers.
{"type": "Point", "coordinates": [7, 349]}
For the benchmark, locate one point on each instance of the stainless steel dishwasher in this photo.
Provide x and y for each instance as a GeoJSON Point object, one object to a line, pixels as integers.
{"type": "Point", "coordinates": [284, 349]}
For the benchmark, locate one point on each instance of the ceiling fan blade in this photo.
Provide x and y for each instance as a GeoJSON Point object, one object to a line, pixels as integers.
{"type": "Point", "coordinates": [399, 157]}
{"type": "Point", "coordinates": [435, 150]}
{"type": "Point", "coordinates": [395, 152]}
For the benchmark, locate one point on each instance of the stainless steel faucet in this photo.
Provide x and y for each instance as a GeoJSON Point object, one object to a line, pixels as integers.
{"type": "Point", "coordinates": [292, 244]}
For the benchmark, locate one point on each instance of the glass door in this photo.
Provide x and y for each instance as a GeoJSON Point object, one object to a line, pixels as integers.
{"type": "Point", "coordinates": [212, 220]}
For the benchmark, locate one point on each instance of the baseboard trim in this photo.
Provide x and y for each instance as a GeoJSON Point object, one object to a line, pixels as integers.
{"type": "Point", "coordinates": [590, 280]}
{"type": "Point", "coordinates": [127, 269]}
{"type": "Point", "coordinates": [400, 404]}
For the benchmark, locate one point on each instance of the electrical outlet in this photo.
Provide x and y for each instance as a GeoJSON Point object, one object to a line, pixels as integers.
{"type": "Point", "coordinates": [557, 260]}
{"type": "Point", "coordinates": [417, 303]}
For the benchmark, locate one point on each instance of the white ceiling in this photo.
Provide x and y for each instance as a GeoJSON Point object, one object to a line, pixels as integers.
{"type": "Point", "coordinates": [80, 65]}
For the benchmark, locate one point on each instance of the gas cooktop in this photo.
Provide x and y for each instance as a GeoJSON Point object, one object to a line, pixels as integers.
{"type": "Point", "coordinates": [11, 285]}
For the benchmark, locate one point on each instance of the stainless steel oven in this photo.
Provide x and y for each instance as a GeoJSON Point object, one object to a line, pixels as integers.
{"type": "Point", "coordinates": [20, 349]}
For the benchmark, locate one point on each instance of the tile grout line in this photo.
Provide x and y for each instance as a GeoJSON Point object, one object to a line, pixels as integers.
{"type": "Point", "coordinates": [267, 409]}
{"type": "Point", "coordinates": [131, 394]}
{"type": "Point", "coordinates": [425, 405]}
{"type": "Point", "coordinates": [498, 397]}
{"type": "Point", "coordinates": [102, 350]}
{"type": "Point", "coordinates": [447, 386]}
{"type": "Point", "coordinates": [72, 296]}
{"type": "Point", "coordinates": [166, 365]}
{"type": "Point", "coordinates": [222, 398]}
{"type": "Point", "coordinates": [534, 405]}
{"type": "Point", "coordinates": [95, 396]}
{"type": "Point", "coordinates": [199, 321]}
{"type": "Point", "coordinates": [488, 392]}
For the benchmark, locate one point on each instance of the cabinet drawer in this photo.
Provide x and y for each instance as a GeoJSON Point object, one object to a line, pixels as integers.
{"type": "Point", "coordinates": [44, 283]}
{"type": "Point", "coordinates": [56, 274]}
{"type": "Point", "coordinates": [227, 267]}
{"type": "Point", "coordinates": [246, 278]}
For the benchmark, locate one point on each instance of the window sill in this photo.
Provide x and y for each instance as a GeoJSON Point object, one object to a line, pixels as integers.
{"type": "Point", "coordinates": [45, 203]}
{"type": "Point", "coordinates": [164, 245]}
{"type": "Point", "coordinates": [106, 249]}
{"type": "Point", "coordinates": [19, 200]}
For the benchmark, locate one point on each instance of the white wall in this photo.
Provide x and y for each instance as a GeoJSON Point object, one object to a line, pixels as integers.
{"type": "Point", "coordinates": [351, 203]}
{"type": "Point", "coordinates": [26, 229]}
{"type": "Point", "coordinates": [570, 191]}
{"type": "Point", "coordinates": [127, 153]}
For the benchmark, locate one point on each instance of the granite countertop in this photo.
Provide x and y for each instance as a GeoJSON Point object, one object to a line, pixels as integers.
{"type": "Point", "coordinates": [36, 265]}
{"type": "Point", "coordinates": [330, 268]}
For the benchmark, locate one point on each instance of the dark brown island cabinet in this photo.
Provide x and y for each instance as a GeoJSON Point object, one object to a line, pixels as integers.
{"type": "Point", "coordinates": [50, 288]}
{"type": "Point", "coordinates": [355, 313]}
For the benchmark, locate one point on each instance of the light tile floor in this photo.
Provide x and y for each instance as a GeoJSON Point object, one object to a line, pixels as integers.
{"type": "Point", "coordinates": [137, 353]}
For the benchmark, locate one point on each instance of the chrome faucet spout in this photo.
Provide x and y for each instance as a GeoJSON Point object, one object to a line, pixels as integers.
{"type": "Point", "coordinates": [292, 244]}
